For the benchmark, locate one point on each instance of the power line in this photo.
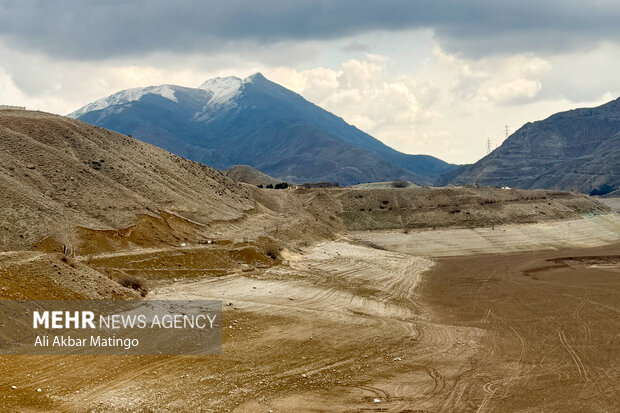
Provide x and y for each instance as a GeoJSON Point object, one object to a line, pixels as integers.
{"type": "Point", "coordinates": [490, 142]}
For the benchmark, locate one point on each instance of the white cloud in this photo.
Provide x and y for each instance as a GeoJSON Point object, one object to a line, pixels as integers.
{"type": "Point", "coordinates": [448, 109]}
{"type": "Point", "coordinates": [9, 92]}
{"type": "Point", "coordinates": [514, 90]}
{"type": "Point", "coordinates": [444, 105]}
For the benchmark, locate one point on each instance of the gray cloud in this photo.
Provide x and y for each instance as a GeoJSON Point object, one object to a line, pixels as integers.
{"type": "Point", "coordinates": [100, 29]}
{"type": "Point", "coordinates": [356, 47]}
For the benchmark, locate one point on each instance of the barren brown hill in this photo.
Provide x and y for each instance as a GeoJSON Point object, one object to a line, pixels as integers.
{"type": "Point", "coordinates": [57, 173]}
{"type": "Point", "coordinates": [427, 208]}
{"type": "Point", "coordinates": [249, 175]}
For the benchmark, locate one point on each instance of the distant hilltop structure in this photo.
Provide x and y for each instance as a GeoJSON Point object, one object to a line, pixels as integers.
{"type": "Point", "coordinates": [9, 107]}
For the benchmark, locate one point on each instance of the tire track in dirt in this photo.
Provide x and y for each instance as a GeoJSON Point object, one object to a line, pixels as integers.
{"type": "Point", "coordinates": [9, 259]}
{"type": "Point", "coordinates": [472, 350]}
{"type": "Point", "coordinates": [586, 328]}
{"type": "Point", "coordinates": [92, 395]}
{"type": "Point", "coordinates": [573, 354]}
{"type": "Point", "coordinates": [490, 388]}
{"type": "Point", "coordinates": [329, 282]}
{"type": "Point", "coordinates": [440, 381]}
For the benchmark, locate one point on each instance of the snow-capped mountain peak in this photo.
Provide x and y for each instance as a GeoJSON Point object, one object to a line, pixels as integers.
{"type": "Point", "coordinates": [222, 88]}
{"type": "Point", "coordinates": [225, 88]}
{"type": "Point", "coordinates": [221, 84]}
{"type": "Point", "coordinates": [125, 96]}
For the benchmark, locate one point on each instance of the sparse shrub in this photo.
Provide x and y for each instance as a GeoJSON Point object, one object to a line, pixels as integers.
{"type": "Point", "coordinates": [68, 260]}
{"type": "Point", "coordinates": [373, 245]}
{"type": "Point", "coordinates": [400, 184]}
{"type": "Point", "coordinates": [272, 250]}
{"type": "Point", "coordinates": [260, 185]}
{"type": "Point", "coordinates": [96, 165]}
{"type": "Point", "coordinates": [135, 283]}
{"type": "Point", "coordinates": [269, 186]}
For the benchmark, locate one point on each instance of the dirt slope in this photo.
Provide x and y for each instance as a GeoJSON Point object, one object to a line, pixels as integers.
{"type": "Point", "coordinates": [249, 175]}
{"type": "Point", "coordinates": [56, 173]}
{"type": "Point", "coordinates": [424, 208]}
{"type": "Point", "coordinates": [583, 232]}
{"type": "Point", "coordinates": [613, 203]}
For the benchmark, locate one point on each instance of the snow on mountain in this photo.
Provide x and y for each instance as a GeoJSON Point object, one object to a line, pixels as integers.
{"type": "Point", "coordinates": [221, 90]}
{"type": "Point", "coordinates": [224, 88]}
{"type": "Point", "coordinates": [125, 96]}
{"type": "Point", "coordinates": [253, 121]}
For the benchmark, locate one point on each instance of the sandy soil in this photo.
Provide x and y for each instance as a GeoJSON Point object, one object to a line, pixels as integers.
{"type": "Point", "coordinates": [589, 232]}
{"type": "Point", "coordinates": [340, 280]}
{"type": "Point", "coordinates": [551, 329]}
{"type": "Point", "coordinates": [613, 203]}
{"type": "Point", "coordinates": [343, 327]}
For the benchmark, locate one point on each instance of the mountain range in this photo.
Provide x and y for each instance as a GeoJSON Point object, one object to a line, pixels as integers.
{"type": "Point", "coordinates": [253, 121]}
{"type": "Point", "coordinates": [574, 150]}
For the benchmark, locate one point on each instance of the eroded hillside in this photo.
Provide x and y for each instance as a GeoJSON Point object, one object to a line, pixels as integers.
{"type": "Point", "coordinates": [57, 173]}
{"type": "Point", "coordinates": [119, 208]}
{"type": "Point", "coordinates": [66, 182]}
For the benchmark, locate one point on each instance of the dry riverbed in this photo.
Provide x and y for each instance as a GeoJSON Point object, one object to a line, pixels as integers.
{"type": "Point", "coordinates": [342, 326]}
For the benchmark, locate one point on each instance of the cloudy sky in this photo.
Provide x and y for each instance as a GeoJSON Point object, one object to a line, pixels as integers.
{"type": "Point", "coordinates": [435, 77]}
